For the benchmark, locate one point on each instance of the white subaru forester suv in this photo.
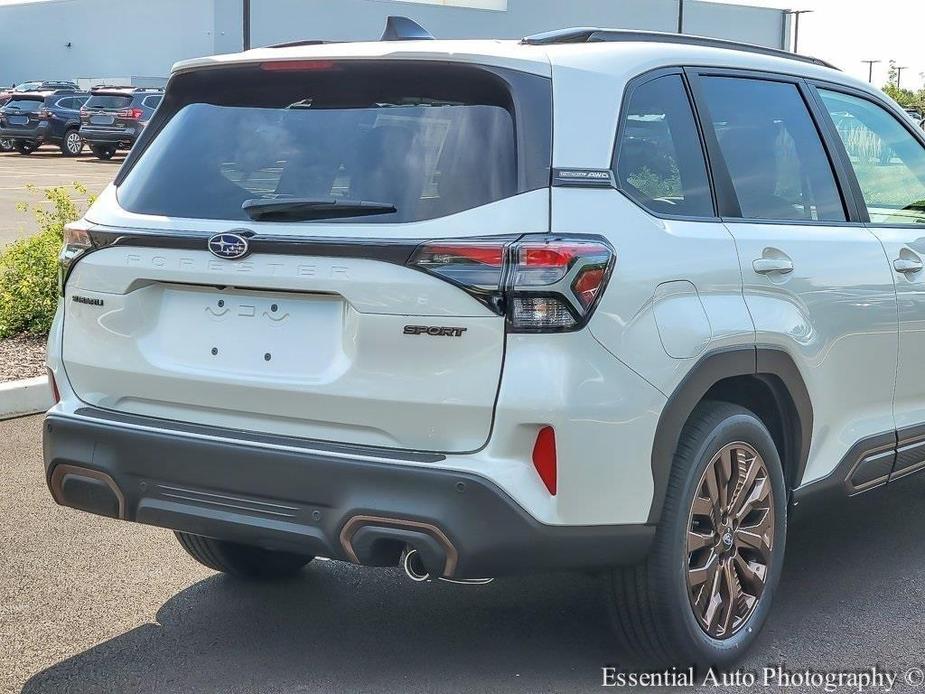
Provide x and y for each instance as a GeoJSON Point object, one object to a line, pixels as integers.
{"type": "Point", "coordinates": [595, 300]}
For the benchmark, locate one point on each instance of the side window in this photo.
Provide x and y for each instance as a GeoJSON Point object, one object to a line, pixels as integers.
{"type": "Point", "coordinates": [773, 151]}
{"type": "Point", "coordinates": [888, 161]}
{"type": "Point", "coordinates": [152, 101]}
{"type": "Point", "coordinates": [660, 162]}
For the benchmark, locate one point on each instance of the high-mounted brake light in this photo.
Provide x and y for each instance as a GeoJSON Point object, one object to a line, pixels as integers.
{"type": "Point", "coordinates": [542, 283]}
{"type": "Point", "coordinates": [298, 65]}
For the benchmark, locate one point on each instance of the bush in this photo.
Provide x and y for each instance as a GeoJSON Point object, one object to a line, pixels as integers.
{"type": "Point", "coordinates": [29, 267]}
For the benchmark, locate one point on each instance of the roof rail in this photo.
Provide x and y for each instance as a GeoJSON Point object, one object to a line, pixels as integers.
{"type": "Point", "coordinates": [598, 35]}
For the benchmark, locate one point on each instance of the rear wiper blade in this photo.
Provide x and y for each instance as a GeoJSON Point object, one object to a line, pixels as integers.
{"type": "Point", "coordinates": [306, 209]}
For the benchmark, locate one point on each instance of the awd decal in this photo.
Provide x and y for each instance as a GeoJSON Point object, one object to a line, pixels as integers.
{"type": "Point", "coordinates": [434, 331]}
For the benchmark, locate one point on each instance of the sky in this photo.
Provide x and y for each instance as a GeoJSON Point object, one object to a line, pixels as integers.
{"type": "Point", "coordinates": [845, 32]}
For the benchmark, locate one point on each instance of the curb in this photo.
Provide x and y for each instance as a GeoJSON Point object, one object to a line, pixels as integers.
{"type": "Point", "coordinates": [29, 396]}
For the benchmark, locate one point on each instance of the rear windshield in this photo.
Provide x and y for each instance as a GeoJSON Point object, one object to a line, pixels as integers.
{"type": "Point", "coordinates": [429, 141]}
{"type": "Point", "coordinates": [108, 101]}
{"type": "Point", "coordinates": [30, 105]}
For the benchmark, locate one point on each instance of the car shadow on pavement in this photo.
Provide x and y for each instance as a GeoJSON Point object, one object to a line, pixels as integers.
{"type": "Point", "coordinates": [845, 601]}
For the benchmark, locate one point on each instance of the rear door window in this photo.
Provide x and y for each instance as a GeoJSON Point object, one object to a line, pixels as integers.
{"type": "Point", "coordinates": [778, 165]}
{"type": "Point", "coordinates": [888, 161]}
{"type": "Point", "coordinates": [152, 101]}
{"type": "Point", "coordinates": [428, 140]}
{"type": "Point", "coordinates": [660, 161]}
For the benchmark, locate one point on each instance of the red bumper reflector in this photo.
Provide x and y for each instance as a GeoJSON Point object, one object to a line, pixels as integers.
{"type": "Point", "coordinates": [54, 386]}
{"type": "Point", "coordinates": [544, 458]}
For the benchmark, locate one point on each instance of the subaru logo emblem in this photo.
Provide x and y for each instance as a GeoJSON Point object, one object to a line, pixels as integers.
{"type": "Point", "coordinates": [229, 246]}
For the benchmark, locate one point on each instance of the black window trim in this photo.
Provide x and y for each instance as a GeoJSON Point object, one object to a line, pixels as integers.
{"type": "Point", "coordinates": [815, 85]}
{"type": "Point", "coordinates": [631, 87]}
{"type": "Point", "coordinates": [728, 204]}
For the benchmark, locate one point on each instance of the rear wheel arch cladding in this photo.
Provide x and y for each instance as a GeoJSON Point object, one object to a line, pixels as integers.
{"type": "Point", "coordinates": [711, 369]}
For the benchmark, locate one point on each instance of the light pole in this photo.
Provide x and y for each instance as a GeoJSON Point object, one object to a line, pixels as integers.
{"type": "Point", "coordinates": [246, 23]}
{"type": "Point", "coordinates": [870, 69]}
{"type": "Point", "coordinates": [796, 26]}
{"type": "Point", "coordinates": [899, 75]}
{"type": "Point", "coordinates": [680, 16]}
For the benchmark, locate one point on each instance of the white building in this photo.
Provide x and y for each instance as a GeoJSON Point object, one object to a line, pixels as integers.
{"type": "Point", "coordinates": [96, 40]}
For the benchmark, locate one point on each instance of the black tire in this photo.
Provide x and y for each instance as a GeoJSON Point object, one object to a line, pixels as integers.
{"type": "Point", "coordinates": [24, 148]}
{"type": "Point", "coordinates": [654, 617]}
{"type": "Point", "coordinates": [6, 145]}
{"type": "Point", "coordinates": [243, 561]}
{"type": "Point", "coordinates": [103, 151]}
{"type": "Point", "coordinates": [72, 144]}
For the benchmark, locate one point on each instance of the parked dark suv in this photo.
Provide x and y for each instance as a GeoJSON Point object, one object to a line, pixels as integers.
{"type": "Point", "coordinates": [114, 117]}
{"type": "Point", "coordinates": [32, 119]}
{"type": "Point", "coordinates": [6, 144]}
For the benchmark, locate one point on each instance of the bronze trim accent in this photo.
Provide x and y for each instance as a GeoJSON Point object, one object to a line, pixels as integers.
{"type": "Point", "coordinates": [357, 522]}
{"type": "Point", "coordinates": [730, 540]}
{"type": "Point", "coordinates": [57, 478]}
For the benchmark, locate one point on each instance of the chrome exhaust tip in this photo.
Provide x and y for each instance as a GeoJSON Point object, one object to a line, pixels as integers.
{"type": "Point", "coordinates": [413, 566]}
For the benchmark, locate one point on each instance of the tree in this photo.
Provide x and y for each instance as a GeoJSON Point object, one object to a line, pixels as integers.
{"type": "Point", "coordinates": [904, 97]}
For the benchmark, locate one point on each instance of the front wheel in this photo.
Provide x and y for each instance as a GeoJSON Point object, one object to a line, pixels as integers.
{"type": "Point", "coordinates": [6, 145]}
{"type": "Point", "coordinates": [706, 589]}
{"type": "Point", "coordinates": [243, 561]}
{"type": "Point", "coordinates": [72, 144]}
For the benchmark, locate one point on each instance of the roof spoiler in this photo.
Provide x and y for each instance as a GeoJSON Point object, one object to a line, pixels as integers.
{"type": "Point", "coordinates": [404, 29]}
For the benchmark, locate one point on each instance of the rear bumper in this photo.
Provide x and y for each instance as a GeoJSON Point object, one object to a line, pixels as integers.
{"type": "Point", "coordinates": [356, 504]}
{"type": "Point", "coordinates": [40, 133]}
{"type": "Point", "coordinates": [96, 135]}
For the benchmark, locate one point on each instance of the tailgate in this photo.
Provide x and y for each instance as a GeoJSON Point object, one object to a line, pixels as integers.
{"type": "Point", "coordinates": [316, 327]}
{"type": "Point", "coordinates": [329, 358]}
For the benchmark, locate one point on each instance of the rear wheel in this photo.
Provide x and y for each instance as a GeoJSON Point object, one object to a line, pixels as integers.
{"type": "Point", "coordinates": [25, 147]}
{"type": "Point", "coordinates": [103, 151]}
{"type": "Point", "coordinates": [72, 144]}
{"type": "Point", "coordinates": [6, 145]}
{"type": "Point", "coordinates": [242, 560]}
{"type": "Point", "coordinates": [706, 589]}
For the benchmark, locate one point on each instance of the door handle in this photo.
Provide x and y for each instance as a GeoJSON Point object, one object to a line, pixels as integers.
{"type": "Point", "coordinates": [907, 266]}
{"type": "Point", "coordinates": [766, 266]}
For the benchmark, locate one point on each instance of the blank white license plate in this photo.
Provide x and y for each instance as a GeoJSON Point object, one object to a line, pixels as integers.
{"type": "Point", "coordinates": [102, 120]}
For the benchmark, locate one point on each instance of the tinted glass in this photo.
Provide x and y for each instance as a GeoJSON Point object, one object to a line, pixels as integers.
{"type": "Point", "coordinates": [779, 168]}
{"type": "Point", "coordinates": [660, 163]}
{"type": "Point", "coordinates": [29, 105]}
{"type": "Point", "coordinates": [108, 101]}
{"type": "Point", "coordinates": [430, 141]}
{"type": "Point", "coordinates": [888, 161]}
{"type": "Point", "coordinates": [152, 101]}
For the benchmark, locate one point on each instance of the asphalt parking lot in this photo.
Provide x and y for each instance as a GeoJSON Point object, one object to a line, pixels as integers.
{"type": "Point", "coordinates": [94, 605]}
{"type": "Point", "coordinates": [45, 168]}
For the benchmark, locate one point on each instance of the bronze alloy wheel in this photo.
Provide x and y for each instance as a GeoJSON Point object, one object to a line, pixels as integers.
{"type": "Point", "coordinates": [729, 540]}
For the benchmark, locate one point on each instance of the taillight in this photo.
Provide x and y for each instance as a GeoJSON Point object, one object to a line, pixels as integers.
{"type": "Point", "coordinates": [77, 241]}
{"type": "Point", "coordinates": [45, 114]}
{"type": "Point", "coordinates": [131, 113]}
{"type": "Point", "coordinates": [542, 283]}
